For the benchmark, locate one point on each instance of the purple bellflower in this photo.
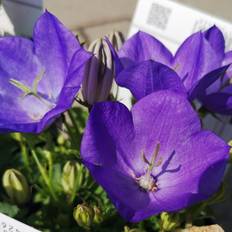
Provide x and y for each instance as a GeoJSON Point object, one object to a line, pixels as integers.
{"type": "Point", "coordinates": [200, 59]}
{"type": "Point", "coordinates": [155, 158]}
{"type": "Point", "coordinates": [39, 78]}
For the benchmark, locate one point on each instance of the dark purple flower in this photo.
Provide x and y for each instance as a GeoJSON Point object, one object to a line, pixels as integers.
{"type": "Point", "coordinates": [40, 78]}
{"type": "Point", "coordinates": [155, 158]}
{"type": "Point", "coordinates": [200, 56]}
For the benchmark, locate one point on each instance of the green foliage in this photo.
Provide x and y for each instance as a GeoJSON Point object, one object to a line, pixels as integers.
{"type": "Point", "coordinates": [9, 209]}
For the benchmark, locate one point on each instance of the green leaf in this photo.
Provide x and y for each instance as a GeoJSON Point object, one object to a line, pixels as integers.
{"type": "Point", "coordinates": [56, 177]}
{"type": "Point", "coordinates": [8, 209]}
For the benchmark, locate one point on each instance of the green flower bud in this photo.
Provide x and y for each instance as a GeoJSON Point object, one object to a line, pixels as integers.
{"type": "Point", "coordinates": [230, 144]}
{"type": "Point", "coordinates": [127, 229]}
{"type": "Point", "coordinates": [98, 218]}
{"type": "Point", "coordinates": [84, 215]}
{"type": "Point", "coordinates": [16, 186]}
{"type": "Point", "coordinates": [169, 222]}
{"type": "Point", "coordinates": [61, 139]}
{"type": "Point", "coordinates": [71, 177]}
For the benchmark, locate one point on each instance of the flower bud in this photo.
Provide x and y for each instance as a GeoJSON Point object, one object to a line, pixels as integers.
{"type": "Point", "coordinates": [99, 73]}
{"type": "Point", "coordinates": [84, 215]}
{"type": "Point", "coordinates": [117, 39]}
{"type": "Point", "coordinates": [16, 186]}
{"type": "Point", "coordinates": [230, 144]}
{"type": "Point", "coordinates": [127, 229]}
{"type": "Point", "coordinates": [71, 177]}
{"type": "Point", "coordinates": [97, 215]}
{"type": "Point", "coordinates": [169, 222]}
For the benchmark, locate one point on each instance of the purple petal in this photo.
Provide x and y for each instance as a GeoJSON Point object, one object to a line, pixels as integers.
{"type": "Point", "coordinates": [117, 62]}
{"type": "Point", "coordinates": [202, 160]}
{"type": "Point", "coordinates": [228, 61]}
{"type": "Point", "coordinates": [121, 189]}
{"type": "Point", "coordinates": [195, 58]}
{"type": "Point", "coordinates": [158, 118]}
{"type": "Point", "coordinates": [148, 77]}
{"type": "Point", "coordinates": [141, 47]}
{"type": "Point", "coordinates": [14, 65]}
{"type": "Point", "coordinates": [69, 90]}
{"type": "Point", "coordinates": [209, 83]}
{"type": "Point", "coordinates": [216, 39]}
{"type": "Point", "coordinates": [17, 60]}
{"type": "Point", "coordinates": [54, 46]}
{"type": "Point", "coordinates": [220, 102]}
{"type": "Point", "coordinates": [112, 123]}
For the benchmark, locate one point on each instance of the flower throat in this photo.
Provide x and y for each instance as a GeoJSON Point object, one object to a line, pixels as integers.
{"type": "Point", "coordinates": [147, 181]}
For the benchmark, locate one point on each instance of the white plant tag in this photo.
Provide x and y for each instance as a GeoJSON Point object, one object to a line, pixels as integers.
{"type": "Point", "coordinates": [173, 22]}
{"type": "Point", "coordinates": [8, 224]}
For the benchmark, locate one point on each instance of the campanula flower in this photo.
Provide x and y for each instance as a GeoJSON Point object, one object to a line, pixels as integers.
{"type": "Point", "coordinates": [201, 56]}
{"type": "Point", "coordinates": [39, 78]}
{"type": "Point", "coordinates": [155, 158]}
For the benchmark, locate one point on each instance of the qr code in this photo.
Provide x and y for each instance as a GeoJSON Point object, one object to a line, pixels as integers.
{"type": "Point", "coordinates": [159, 16]}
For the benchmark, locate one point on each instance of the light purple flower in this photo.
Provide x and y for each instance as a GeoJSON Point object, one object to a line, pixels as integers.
{"type": "Point", "coordinates": [201, 56]}
{"type": "Point", "coordinates": [39, 78]}
{"type": "Point", "coordinates": [155, 158]}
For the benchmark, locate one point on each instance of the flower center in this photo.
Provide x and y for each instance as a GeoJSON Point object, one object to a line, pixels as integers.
{"type": "Point", "coordinates": [27, 90]}
{"type": "Point", "coordinates": [147, 181]}
{"type": "Point", "coordinates": [45, 104]}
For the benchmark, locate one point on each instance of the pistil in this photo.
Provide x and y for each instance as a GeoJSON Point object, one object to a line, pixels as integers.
{"type": "Point", "coordinates": [27, 91]}
{"type": "Point", "coordinates": [147, 181]}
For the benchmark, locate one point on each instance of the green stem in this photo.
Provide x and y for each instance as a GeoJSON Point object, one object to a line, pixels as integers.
{"type": "Point", "coordinates": [25, 156]}
{"type": "Point", "coordinates": [44, 175]}
{"type": "Point", "coordinates": [74, 122]}
{"type": "Point", "coordinates": [72, 136]}
{"type": "Point", "coordinates": [68, 127]}
{"type": "Point", "coordinates": [24, 153]}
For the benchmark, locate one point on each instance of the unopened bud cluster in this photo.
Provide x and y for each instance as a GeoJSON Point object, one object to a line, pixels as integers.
{"type": "Point", "coordinates": [86, 215]}
{"type": "Point", "coordinates": [169, 222]}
